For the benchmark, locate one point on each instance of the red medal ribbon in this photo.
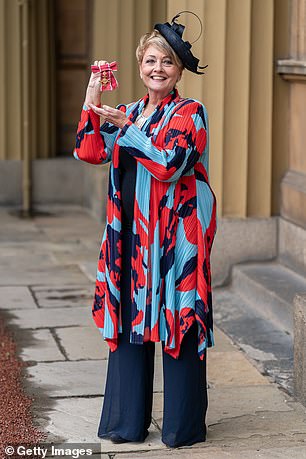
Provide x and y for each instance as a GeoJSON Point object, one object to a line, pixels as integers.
{"type": "Point", "coordinates": [107, 77]}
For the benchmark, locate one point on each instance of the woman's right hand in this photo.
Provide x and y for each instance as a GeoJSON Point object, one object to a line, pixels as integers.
{"type": "Point", "coordinates": [93, 93]}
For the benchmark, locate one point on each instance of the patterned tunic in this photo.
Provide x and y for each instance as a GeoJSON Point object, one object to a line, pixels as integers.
{"type": "Point", "coordinates": [173, 228]}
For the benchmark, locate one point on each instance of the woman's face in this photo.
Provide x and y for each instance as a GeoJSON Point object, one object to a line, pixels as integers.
{"type": "Point", "coordinates": [159, 72]}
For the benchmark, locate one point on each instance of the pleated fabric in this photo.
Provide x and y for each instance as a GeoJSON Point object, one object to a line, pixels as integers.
{"type": "Point", "coordinates": [173, 228]}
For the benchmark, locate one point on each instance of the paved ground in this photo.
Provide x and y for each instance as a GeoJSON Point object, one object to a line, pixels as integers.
{"type": "Point", "coordinates": [46, 286]}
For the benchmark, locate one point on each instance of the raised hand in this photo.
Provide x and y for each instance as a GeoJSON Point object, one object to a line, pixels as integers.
{"type": "Point", "coordinates": [93, 93]}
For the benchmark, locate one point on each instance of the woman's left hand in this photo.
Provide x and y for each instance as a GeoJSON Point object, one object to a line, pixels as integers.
{"type": "Point", "coordinates": [110, 114]}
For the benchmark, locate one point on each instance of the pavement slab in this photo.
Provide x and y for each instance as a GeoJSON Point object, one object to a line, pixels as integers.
{"type": "Point", "coordinates": [256, 427]}
{"type": "Point", "coordinates": [152, 442]}
{"type": "Point", "coordinates": [41, 275]}
{"type": "Point", "coordinates": [157, 412]}
{"type": "Point", "coordinates": [50, 317]}
{"type": "Point", "coordinates": [298, 452]}
{"type": "Point", "coordinates": [45, 252]}
{"type": "Point", "coordinates": [232, 369]}
{"type": "Point", "coordinates": [47, 246]}
{"type": "Point", "coordinates": [76, 420]}
{"type": "Point", "coordinates": [77, 450]}
{"type": "Point", "coordinates": [68, 233]}
{"type": "Point", "coordinates": [269, 347]}
{"type": "Point", "coordinates": [83, 343]}
{"type": "Point", "coordinates": [224, 403]}
{"type": "Point", "coordinates": [75, 378]}
{"type": "Point", "coordinates": [69, 379]}
{"type": "Point", "coordinates": [222, 342]}
{"type": "Point", "coordinates": [16, 298]}
{"type": "Point", "coordinates": [72, 419]}
{"type": "Point", "coordinates": [22, 255]}
{"type": "Point", "coordinates": [19, 231]}
{"type": "Point", "coordinates": [38, 346]}
{"type": "Point", "coordinates": [65, 296]}
{"type": "Point", "coordinates": [89, 268]}
{"type": "Point", "coordinates": [158, 374]}
{"type": "Point", "coordinates": [273, 285]}
{"type": "Point", "coordinates": [82, 255]}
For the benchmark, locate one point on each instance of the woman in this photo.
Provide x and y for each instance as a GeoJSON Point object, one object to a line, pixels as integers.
{"type": "Point", "coordinates": [153, 279]}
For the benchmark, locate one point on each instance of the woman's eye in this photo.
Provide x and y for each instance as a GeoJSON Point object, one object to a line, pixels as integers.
{"type": "Point", "coordinates": [168, 62]}
{"type": "Point", "coordinates": [150, 61]}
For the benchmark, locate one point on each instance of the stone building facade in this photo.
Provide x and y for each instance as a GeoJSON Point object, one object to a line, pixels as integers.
{"type": "Point", "coordinates": [254, 89]}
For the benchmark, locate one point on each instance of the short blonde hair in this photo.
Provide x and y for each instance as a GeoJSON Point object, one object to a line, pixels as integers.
{"type": "Point", "coordinates": [156, 39]}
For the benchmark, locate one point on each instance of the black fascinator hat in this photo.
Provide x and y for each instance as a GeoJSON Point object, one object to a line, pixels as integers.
{"type": "Point", "coordinates": [173, 35]}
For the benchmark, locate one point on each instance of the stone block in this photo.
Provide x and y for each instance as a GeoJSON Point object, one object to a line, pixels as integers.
{"type": "Point", "coordinates": [231, 402]}
{"type": "Point", "coordinates": [64, 296]}
{"type": "Point", "coordinates": [76, 420]}
{"type": "Point", "coordinates": [292, 245]}
{"type": "Point", "coordinates": [75, 378]}
{"type": "Point", "coordinates": [16, 298]}
{"type": "Point", "coordinates": [10, 182]}
{"type": "Point", "coordinates": [222, 342]}
{"type": "Point", "coordinates": [299, 379]}
{"type": "Point", "coordinates": [26, 252]}
{"type": "Point", "coordinates": [82, 342]}
{"type": "Point", "coordinates": [81, 450]}
{"type": "Point", "coordinates": [87, 343]}
{"type": "Point", "coordinates": [20, 231]}
{"type": "Point", "coordinates": [158, 402]}
{"type": "Point", "coordinates": [38, 346]}
{"type": "Point", "coordinates": [158, 373]}
{"type": "Point", "coordinates": [50, 317]}
{"type": "Point", "coordinates": [89, 268]}
{"type": "Point", "coordinates": [82, 255]}
{"type": "Point", "coordinates": [67, 228]}
{"type": "Point", "coordinates": [293, 197]}
{"type": "Point", "coordinates": [95, 189]}
{"type": "Point", "coordinates": [69, 379]}
{"type": "Point", "coordinates": [262, 341]}
{"type": "Point", "coordinates": [206, 451]}
{"type": "Point", "coordinates": [55, 181]}
{"type": "Point", "coordinates": [41, 275]}
{"type": "Point", "coordinates": [152, 442]}
{"type": "Point", "coordinates": [230, 369]}
{"type": "Point", "coordinates": [72, 419]}
{"type": "Point", "coordinates": [256, 429]}
{"type": "Point", "coordinates": [238, 240]}
{"type": "Point", "coordinates": [270, 287]}
{"type": "Point", "coordinates": [67, 233]}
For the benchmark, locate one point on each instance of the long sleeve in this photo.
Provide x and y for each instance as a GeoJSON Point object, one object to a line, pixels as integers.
{"type": "Point", "coordinates": [94, 143]}
{"type": "Point", "coordinates": [177, 148]}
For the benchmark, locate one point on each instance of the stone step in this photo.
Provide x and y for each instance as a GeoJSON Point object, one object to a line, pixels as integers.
{"type": "Point", "coordinates": [270, 287]}
{"type": "Point", "coordinates": [268, 346]}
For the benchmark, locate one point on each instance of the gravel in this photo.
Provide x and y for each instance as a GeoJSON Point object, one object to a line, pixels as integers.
{"type": "Point", "coordinates": [16, 424]}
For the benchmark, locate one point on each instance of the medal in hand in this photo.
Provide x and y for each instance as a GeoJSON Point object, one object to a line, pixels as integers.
{"type": "Point", "coordinates": [107, 77]}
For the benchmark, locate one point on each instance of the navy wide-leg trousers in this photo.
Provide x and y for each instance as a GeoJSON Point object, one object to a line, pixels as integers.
{"type": "Point", "coordinates": [127, 407]}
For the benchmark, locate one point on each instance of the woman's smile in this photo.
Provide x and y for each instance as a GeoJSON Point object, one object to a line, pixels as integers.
{"type": "Point", "coordinates": [158, 72]}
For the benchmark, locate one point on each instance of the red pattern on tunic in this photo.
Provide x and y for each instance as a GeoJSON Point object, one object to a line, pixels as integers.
{"type": "Point", "coordinates": [173, 228]}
